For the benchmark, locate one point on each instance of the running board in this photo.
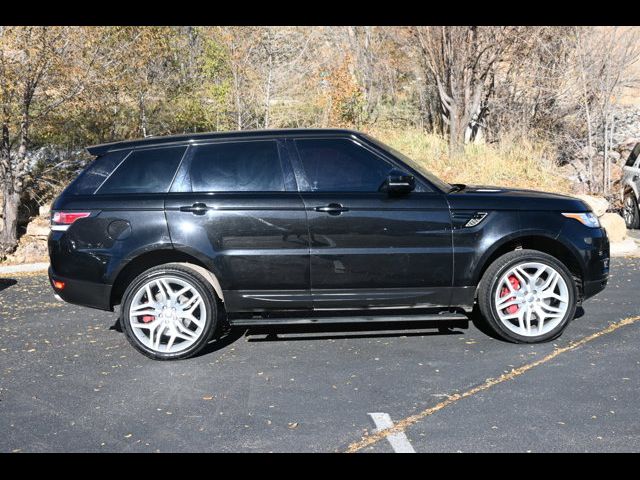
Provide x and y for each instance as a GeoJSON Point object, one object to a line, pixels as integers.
{"type": "Point", "coordinates": [246, 322]}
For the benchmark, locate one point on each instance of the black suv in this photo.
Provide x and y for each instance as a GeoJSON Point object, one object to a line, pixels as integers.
{"type": "Point", "coordinates": [310, 226]}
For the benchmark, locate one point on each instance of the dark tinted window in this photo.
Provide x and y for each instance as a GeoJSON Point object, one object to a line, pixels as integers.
{"type": "Point", "coordinates": [145, 171]}
{"type": "Point", "coordinates": [340, 165]}
{"type": "Point", "coordinates": [633, 156]}
{"type": "Point", "coordinates": [237, 167]}
{"type": "Point", "coordinates": [95, 173]}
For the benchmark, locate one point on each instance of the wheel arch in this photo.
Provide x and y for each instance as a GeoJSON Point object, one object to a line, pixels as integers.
{"type": "Point", "coordinates": [147, 260]}
{"type": "Point", "coordinates": [535, 241]}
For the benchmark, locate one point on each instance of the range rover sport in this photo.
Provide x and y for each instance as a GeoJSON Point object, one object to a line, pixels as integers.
{"type": "Point", "coordinates": [294, 226]}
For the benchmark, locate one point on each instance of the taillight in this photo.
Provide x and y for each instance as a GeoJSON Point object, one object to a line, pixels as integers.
{"type": "Point", "coordinates": [62, 220]}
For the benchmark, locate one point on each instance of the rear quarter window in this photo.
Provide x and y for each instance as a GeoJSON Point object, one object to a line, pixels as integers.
{"type": "Point", "coordinates": [95, 173]}
{"type": "Point", "coordinates": [144, 171]}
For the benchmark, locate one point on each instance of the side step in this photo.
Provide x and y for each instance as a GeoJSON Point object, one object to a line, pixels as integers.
{"type": "Point", "coordinates": [245, 322]}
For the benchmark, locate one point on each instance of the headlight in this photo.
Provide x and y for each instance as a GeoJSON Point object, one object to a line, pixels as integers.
{"type": "Point", "coordinates": [589, 219]}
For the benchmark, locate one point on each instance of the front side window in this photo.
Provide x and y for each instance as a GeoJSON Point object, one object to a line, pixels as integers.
{"type": "Point", "coordinates": [144, 171]}
{"type": "Point", "coordinates": [252, 166]}
{"type": "Point", "coordinates": [340, 165]}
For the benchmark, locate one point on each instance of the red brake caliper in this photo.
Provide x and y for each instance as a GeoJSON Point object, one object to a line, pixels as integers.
{"type": "Point", "coordinates": [148, 318]}
{"type": "Point", "coordinates": [505, 291]}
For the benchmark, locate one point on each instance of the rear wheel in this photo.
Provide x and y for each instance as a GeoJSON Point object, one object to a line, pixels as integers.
{"type": "Point", "coordinates": [169, 312]}
{"type": "Point", "coordinates": [527, 296]}
{"type": "Point", "coordinates": [631, 213]}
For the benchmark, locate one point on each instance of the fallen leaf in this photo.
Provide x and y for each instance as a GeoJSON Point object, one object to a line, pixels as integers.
{"type": "Point", "coordinates": [293, 425]}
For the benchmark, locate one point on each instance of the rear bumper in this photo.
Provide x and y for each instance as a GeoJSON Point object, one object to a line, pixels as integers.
{"type": "Point", "coordinates": [79, 292]}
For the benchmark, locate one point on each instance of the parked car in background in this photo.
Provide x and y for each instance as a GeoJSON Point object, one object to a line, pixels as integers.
{"type": "Point", "coordinates": [311, 226]}
{"type": "Point", "coordinates": [631, 189]}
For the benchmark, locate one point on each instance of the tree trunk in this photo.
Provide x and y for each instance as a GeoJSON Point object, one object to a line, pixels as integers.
{"type": "Point", "coordinates": [457, 129]}
{"type": "Point", "coordinates": [9, 231]}
{"type": "Point", "coordinates": [267, 100]}
{"type": "Point", "coordinates": [143, 115]}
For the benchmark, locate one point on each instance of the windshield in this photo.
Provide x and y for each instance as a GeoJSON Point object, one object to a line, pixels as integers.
{"type": "Point", "coordinates": [442, 185]}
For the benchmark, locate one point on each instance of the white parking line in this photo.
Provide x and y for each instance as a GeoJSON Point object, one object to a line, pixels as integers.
{"type": "Point", "coordinates": [399, 441]}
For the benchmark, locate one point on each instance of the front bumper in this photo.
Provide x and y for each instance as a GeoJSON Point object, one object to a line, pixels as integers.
{"type": "Point", "coordinates": [592, 287]}
{"type": "Point", "coordinates": [597, 265]}
{"type": "Point", "coordinates": [79, 292]}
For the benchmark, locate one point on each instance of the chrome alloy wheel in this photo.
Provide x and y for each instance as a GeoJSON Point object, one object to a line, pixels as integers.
{"type": "Point", "coordinates": [531, 299]}
{"type": "Point", "coordinates": [167, 314]}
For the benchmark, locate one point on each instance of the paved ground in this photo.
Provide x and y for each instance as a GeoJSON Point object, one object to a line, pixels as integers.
{"type": "Point", "coordinates": [69, 381]}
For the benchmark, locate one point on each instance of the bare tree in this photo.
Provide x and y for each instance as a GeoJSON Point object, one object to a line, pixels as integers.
{"type": "Point", "coordinates": [462, 61]}
{"type": "Point", "coordinates": [41, 68]}
{"type": "Point", "coordinates": [605, 56]}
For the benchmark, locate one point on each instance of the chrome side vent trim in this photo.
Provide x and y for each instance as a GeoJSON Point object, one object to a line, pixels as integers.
{"type": "Point", "coordinates": [475, 219]}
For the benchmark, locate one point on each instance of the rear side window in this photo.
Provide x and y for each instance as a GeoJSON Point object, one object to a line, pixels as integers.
{"type": "Point", "coordinates": [237, 167]}
{"type": "Point", "coordinates": [145, 171]}
{"type": "Point", "coordinates": [95, 173]}
{"type": "Point", "coordinates": [633, 156]}
{"type": "Point", "coordinates": [340, 165]}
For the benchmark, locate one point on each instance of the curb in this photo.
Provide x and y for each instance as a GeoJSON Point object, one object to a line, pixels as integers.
{"type": "Point", "coordinates": [27, 267]}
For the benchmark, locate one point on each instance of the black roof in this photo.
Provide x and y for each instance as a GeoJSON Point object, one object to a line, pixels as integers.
{"type": "Point", "coordinates": [189, 137]}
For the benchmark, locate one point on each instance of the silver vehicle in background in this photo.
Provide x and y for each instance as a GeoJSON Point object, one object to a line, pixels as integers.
{"type": "Point", "coordinates": [631, 188]}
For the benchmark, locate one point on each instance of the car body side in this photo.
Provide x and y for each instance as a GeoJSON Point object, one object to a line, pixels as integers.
{"type": "Point", "coordinates": [261, 250]}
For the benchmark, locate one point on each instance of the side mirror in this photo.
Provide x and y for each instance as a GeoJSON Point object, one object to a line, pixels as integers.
{"type": "Point", "coordinates": [399, 183]}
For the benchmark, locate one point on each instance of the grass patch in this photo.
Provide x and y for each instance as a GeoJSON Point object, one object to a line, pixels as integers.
{"type": "Point", "coordinates": [512, 162]}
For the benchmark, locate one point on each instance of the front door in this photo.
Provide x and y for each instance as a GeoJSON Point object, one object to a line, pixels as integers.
{"type": "Point", "coordinates": [370, 249]}
{"type": "Point", "coordinates": [234, 206]}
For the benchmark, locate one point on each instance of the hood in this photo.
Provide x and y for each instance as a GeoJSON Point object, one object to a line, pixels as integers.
{"type": "Point", "coordinates": [501, 198]}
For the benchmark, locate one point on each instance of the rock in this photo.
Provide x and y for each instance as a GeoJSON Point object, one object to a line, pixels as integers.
{"type": "Point", "coordinates": [615, 226]}
{"type": "Point", "coordinates": [614, 156]}
{"type": "Point", "coordinates": [616, 172]}
{"type": "Point", "coordinates": [30, 250]}
{"type": "Point", "coordinates": [45, 210]}
{"type": "Point", "coordinates": [36, 251]}
{"type": "Point", "coordinates": [628, 143]}
{"type": "Point", "coordinates": [599, 205]}
{"type": "Point", "coordinates": [586, 152]}
{"type": "Point", "coordinates": [38, 228]}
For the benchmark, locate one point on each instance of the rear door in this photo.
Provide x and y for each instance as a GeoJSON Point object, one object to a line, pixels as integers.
{"type": "Point", "coordinates": [370, 249]}
{"type": "Point", "coordinates": [235, 206]}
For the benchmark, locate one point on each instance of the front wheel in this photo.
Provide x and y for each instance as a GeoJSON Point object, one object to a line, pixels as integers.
{"type": "Point", "coordinates": [631, 213]}
{"type": "Point", "coordinates": [169, 312]}
{"type": "Point", "coordinates": [527, 296]}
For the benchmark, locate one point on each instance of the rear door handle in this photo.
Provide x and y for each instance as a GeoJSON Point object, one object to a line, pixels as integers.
{"type": "Point", "coordinates": [196, 209]}
{"type": "Point", "coordinates": [332, 209]}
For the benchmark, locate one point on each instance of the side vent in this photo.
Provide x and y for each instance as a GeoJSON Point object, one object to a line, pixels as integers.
{"type": "Point", "coordinates": [476, 219]}
{"type": "Point", "coordinates": [467, 218]}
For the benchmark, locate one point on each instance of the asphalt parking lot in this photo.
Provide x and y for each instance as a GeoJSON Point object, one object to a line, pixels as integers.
{"type": "Point", "coordinates": [69, 381]}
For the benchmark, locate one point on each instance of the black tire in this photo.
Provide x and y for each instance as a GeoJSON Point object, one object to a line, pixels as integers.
{"type": "Point", "coordinates": [198, 283]}
{"type": "Point", "coordinates": [489, 284]}
{"type": "Point", "coordinates": [630, 211]}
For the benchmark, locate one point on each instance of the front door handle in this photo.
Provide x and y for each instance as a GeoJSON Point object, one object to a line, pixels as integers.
{"type": "Point", "coordinates": [196, 209]}
{"type": "Point", "coordinates": [332, 209]}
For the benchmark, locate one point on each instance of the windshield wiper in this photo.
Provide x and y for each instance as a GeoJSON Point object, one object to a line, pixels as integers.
{"type": "Point", "coordinates": [456, 187]}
